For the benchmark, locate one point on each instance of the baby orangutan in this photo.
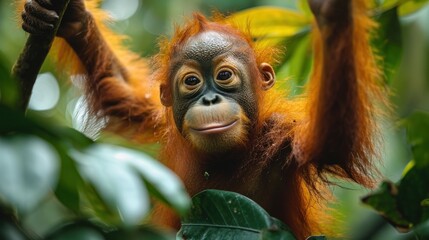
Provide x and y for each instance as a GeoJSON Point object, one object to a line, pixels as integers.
{"type": "Point", "coordinates": [210, 102]}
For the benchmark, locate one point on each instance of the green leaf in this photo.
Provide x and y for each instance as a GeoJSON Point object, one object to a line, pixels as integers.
{"type": "Point", "coordinates": [297, 62]}
{"type": "Point", "coordinates": [421, 231]}
{"type": "Point", "coordinates": [118, 185]}
{"type": "Point", "coordinates": [118, 175]}
{"type": "Point", "coordinates": [95, 206]}
{"type": "Point", "coordinates": [271, 234]}
{"type": "Point", "coordinates": [151, 149]}
{"type": "Point", "coordinates": [417, 132]}
{"type": "Point", "coordinates": [405, 7]}
{"type": "Point", "coordinates": [28, 170]}
{"type": "Point", "coordinates": [384, 201]}
{"type": "Point", "coordinates": [270, 22]}
{"type": "Point", "coordinates": [81, 234]}
{"type": "Point", "coordinates": [70, 182]}
{"type": "Point", "coordinates": [383, 5]}
{"type": "Point", "coordinates": [388, 42]}
{"type": "Point", "coordinates": [162, 182]}
{"type": "Point", "coordinates": [301, 61]}
{"type": "Point", "coordinates": [316, 238]}
{"type": "Point", "coordinates": [389, 3]}
{"type": "Point", "coordinates": [141, 233]}
{"type": "Point", "coordinates": [410, 7]}
{"type": "Point", "coordinates": [82, 230]}
{"type": "Point", "coordinates": [412, 190]}
{"type": "Point", "coordinates": [69, 136]}
{"type": "Point", "coordinates": [9, 94]}
{"type": "Point", "coordinates": [12, 121]}
{"type": "Point", "coordinates": [405, 202]}
{"type": "Point", "coordinates": [226, 215]}
{"type": "Point", "coordinates": [10, 231]}
{"type": "Point", "coordinates": [305, 8]}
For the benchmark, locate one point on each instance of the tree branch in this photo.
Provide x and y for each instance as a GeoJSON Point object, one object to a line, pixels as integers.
{"type": "Point", "coordinates": [32, 57]}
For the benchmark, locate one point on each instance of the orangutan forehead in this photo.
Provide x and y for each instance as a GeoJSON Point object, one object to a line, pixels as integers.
{"type": "Point", "coordinates": [205, 46]}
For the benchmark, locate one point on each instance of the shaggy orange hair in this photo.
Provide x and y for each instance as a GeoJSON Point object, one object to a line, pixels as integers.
{"type": "Point", "coordinates": [331, 129]}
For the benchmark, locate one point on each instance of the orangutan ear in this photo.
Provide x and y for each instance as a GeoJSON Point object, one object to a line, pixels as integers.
{"type": "Point", "coordinates": [268, 76]}
{"type": "Point", "coordinates": [165, 95]}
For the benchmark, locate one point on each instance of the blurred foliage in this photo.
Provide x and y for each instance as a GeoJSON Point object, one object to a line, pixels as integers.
{"type": "Point", "coordinates": [99, 184]}
{"type": "Point", "coordinates": [65, 192]}
{"type": "Point", "coordinates": [405, 204]}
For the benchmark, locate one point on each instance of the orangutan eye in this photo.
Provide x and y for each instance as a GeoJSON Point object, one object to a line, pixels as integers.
{"type": "Point", "coordinates": [224, 75]}
{"type": "Point", "coordinates": [192, 81]}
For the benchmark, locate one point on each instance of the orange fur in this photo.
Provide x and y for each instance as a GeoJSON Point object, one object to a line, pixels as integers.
{"type": "Point", "coordinates": [339, 134]}
{"type": "Point", "coordinates": [129, 99]}
{"type": "Point", "coordinates": [278, 116]}
{"type": "Point", "coordinates": [294, 144]}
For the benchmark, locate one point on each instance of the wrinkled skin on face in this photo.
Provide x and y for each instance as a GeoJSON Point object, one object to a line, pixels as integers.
{"type": "Point", "coordinates": [213, 95]}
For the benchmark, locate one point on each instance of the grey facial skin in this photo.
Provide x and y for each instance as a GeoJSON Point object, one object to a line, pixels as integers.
{"type": "Point", "coordinates": [204, 51]}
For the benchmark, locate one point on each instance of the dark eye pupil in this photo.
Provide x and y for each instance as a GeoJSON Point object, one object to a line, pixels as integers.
{"type": "Point", "coordinates": [224, 75]}
{"type": "Point", "coordinates": [192, 81]}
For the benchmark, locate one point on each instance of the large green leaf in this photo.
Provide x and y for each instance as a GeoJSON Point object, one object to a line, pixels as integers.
{"type": "Point", "coordinates": [296, 63]}
{"type": "Point", "coordinates": [413, 190]}
{"type": "Point", "coordinates": [305, 8]}
{"type": "Point", "coordinates": [93, 204]}
{"type": "Point", "coordinates": [162, 182]}
{"type": "Point", "coordinates": [69, 183]}
{"type": "Point", "coordinates": [384, 201]}
{"type": "Point", "coordinates": [62, 139]}
{"type": "Point", "coordinates": [409, 7]}
{"type": "Point", "coordinates": [404, 207]}
{"type": "Point", "coordinates": [117, 174]}
{"type": "Point", "coordinates": [117, 184]}
{"type": "Point", "coordinates": [219, 214]}
{"type": "Point", "coordinates": [270, 23]}
{"type": "Point", "coordinates": [28, 170]}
